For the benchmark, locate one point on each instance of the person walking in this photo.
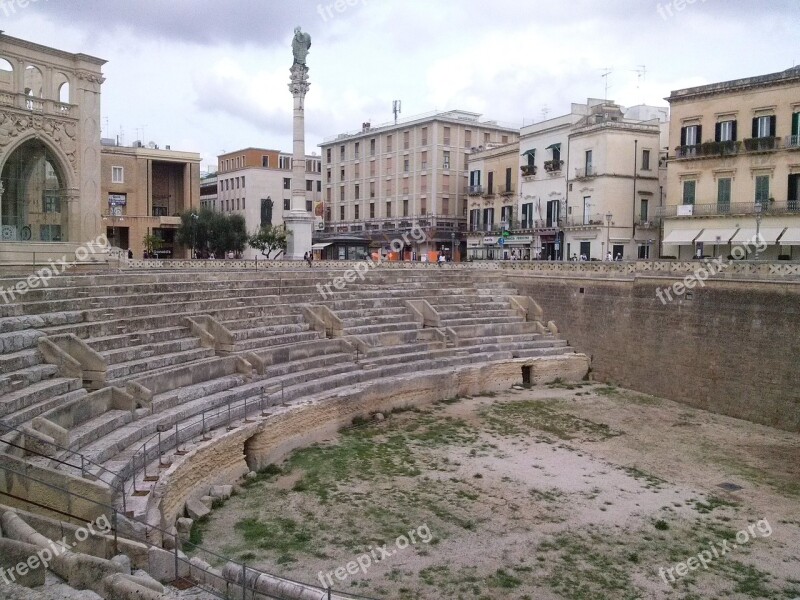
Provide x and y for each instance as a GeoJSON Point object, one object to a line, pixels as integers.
{"type": "Point", "coordinates": [308, 257]}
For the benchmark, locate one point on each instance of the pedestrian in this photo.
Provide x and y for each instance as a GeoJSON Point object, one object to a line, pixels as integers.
{"type": "Point", "coordinates": [308, 258]}
{"type": "Point", "coordinates": [608, 256]}
{"type": "Point", "coordinates": [440, 259]}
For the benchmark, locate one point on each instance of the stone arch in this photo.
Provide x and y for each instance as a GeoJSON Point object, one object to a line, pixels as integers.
{"type": "Point", "coordinates": [6, 75]}
{"type": "Point", "coordinates": [65, 164]}
{"type": "Point", "coordinates": [36, 195]}
{"type": "Point", "coordinates": [33, 82]}
{"type": "Point", "coordinates": [61, 88]}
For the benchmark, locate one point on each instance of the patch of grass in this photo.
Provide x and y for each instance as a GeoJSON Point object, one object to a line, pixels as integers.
{"type": "Point", "coordinates": [712, 503]}
{"type": "Point", "coordinates": [279, 534]}
{"type": "Point", "coordinates": [651, 481]}
{"type": "Point", "coordinates": [661, 525]}
{"type": "Point", "coordinates": [519, 418]}
{"type": "Point", "coordinates": [502, 579]}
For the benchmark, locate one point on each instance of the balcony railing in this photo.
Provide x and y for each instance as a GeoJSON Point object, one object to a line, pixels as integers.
{"type": "Point", "coordinates": [730, 148]}
{"type": "Point", "coordinates": [583, 172]}
{"type": "Point", "coordinates": [793, 141]}
{"type": "Point", "coordinates": [507, 190]}
{"type": "Point", "coordinates": [528, 170]}
{"type": "Point", "coordinates": [33, 104]}
{"type": "Point", "coordinates": [396, 224]}
{"type": "Point", "coordinates": [763, 144]}
{"type": "Point", "coordinates": [595, 220]}
{"type": "Point", "coordinates": [475, 190]}
{"type": "Point", "coordinates": [726, 208]}
{"type": "Point", "coordinates": [553, 166]}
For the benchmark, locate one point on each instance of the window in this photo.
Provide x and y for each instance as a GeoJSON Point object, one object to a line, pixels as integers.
{"type": "Point", "coordinates": [372, 147]}
{"type": "Point", "coordinates": [508, 181]}
{"type": "Point", "coordinates": [388, 209]}
{"type": "Point", "coordinates": [587, 210]}
{"type": "Point", "coordinates": [488, 219]}
{"type": "Point", "coordinates": [504, 140]}
{"type": "Point", "coordinates": [556, 148]}
{"type": "Point", "coordinates": [506, 216]}
{"type": "Point", "coordinates": [405, 208]}
{"type": "Point", "coordinates": [405, 140]}
{"type": "Point", "coordinates": [468, 138]}
{"type": "Point", "coordinates": [423, 206]}
{"type": "Point", "coordinates": [372, 169]}
{"type": "Point", "coordinates": [764, 126]}
{"type": "Point", "coordinates": [341, 174]}
{"type": "Point", "coordinates": [645, 160]}
{"type": "Point", "coordinates": [446, 160]}
{"type": "Point", "coordinates": [762, 188]}
{"type": "Point", "coordinates": [553, 212]}
{"type": "Point", "coordinates": [689, 191]}
{"type": "Point", "coordinates": [117, 175]}
{"type": "Point", "coordinates": [237, 183]}
{"type": "Point", "coordinates": [341, 152]}
{"type": "Point", "coordinates": [423, 160]}
{"type": "Point", "coordinates": [724, 194]}
{"type": "Point", "coordinates": [371, 189]}
{"type": "Point", "coordinates": [357, 173]}
{"type": "Point", "coordinates": [50, 233]}
{"type": "Point", "coordinates": [243, 203]}
{"type": "Point", "coordinates": [328, 155]}
{"type": "Point", "coordinates": [644, 212]}
{"type": "Point", "coordinates": [726, 131]}
{"type": "Point", "coordinates": [588, 162]}
{"type": "Point", "coordinates": [490, 183]}
{"type": "Point", "coordinates": [329, 195]}
{"type": "Point", "coordinates": [243, 181]}
{"type": "Point", "coordinates": [341, 194]}
{"type": "Point", "coordinates": [287, 204]}
{"type": "Point", "coordinates": [237, 204]}
{"type": "Point", "coordinates": [475, 219]}
{"type": "Point", "coordinates": [424, 136]}
{"type": "Point", "coordinates": [341, 213]}
{"type": "Point", "coordinates": [388, 143]}
{"type": "Point", "coordinates": [309, 206]}
{"type": "Point", "coordinates": [371, 210]}
{"type": "Point", "coordinates": [51, 204]}
{"type": "Point", "coordinates": [527, 215]}
{"type": "Point", "coordinates": [357, 209]}
{"type": "Point", "coordinates": [357, 150]}
{"type": "Point", "coordinates": [329, 175]}
{"type": "Point", "coordinates": [389, 165]}
{"type": "Point", "coordinates": [319, 186]}
{"type": "Point", "coordinates": [287, 183]}
{"type": "Point", "coordinates": [586, 250]}
{"type": "Point", "coordinates": [406, 165]}
{"type": "Point", "coordinates": [474, 179]}
{"type": "Point", "coordinates": [691, 135]}
{"type": "Point", "coordinates": [309, 185]}
{"type": "Point", "coordinates": [358, 192]}
{"type": "Point", "coordinates": [446, 136]}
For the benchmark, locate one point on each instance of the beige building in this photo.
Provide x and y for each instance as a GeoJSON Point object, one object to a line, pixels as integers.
{"type": "Point", "coordinates": [144, 191]}
{"type": "Point", "coordinates": [257, 183]}
{"type": "Point", "coordinates": [614, 185]}
{"type": "Point", "coordinates": [49, 151]}
{"type": "Point", "coordinates": [736, 167]}
{"type": "Point", "coordinates": [492, 205]}
{"type": "Point", "coordinates": [380, 182]}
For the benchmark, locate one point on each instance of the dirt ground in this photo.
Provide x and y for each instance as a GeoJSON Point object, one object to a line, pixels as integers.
{"type": "Point", "coordinates": [582, 492]}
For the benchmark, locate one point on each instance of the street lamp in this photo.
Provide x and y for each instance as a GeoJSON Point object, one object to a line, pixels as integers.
{"type": "Point", "coordinates": [609, 216]}
{"type": "Point", "coordinates": [452, 246]}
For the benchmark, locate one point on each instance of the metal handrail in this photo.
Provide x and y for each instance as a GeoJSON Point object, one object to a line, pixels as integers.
{"type": "Point", "coordinates": [164, 534]}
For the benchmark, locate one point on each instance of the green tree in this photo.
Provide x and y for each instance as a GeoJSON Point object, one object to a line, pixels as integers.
{"type": "Point", "coordinates": [152, 243]}
{"type": "Point", "coordinates": [270, 239]}
{"type": "Point", "coordinates": [210, 231]}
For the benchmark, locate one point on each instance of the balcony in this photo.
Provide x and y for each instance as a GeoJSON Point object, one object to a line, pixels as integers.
{"type": "Point", "coordinates": [528, 170]}
{"type": "Point", "coordinates": [553, 166]}
{"type": "Point", "coordinates": [725, 208]}
{"type": "Point", "coordinates": [507, 190]}
{"type": "Point", "coordinates": [709, 150]}
{"type": "Point", "coordinates": [378, 228]}
{"type": "Point", "coordinates": [595, 220]}
{"type": "Point", "coordinates": [763, 144]}
{"type": "Point", "coordinates": [475, 190]}
{"type": "Point", "coordinates": [37, 105]}
{"type": "Point", "coordinates": [585, 172]}
{"type": "Point", "coordinates": [793, 141]}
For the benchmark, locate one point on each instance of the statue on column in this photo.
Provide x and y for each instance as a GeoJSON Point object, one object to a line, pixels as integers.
{"type": "Point", "coordinates": [300, 46]}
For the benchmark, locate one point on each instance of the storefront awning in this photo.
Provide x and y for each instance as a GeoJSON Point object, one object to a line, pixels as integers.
{"type": "Point", "coordinates": [791, 237]}
{"type": "Point", "coordinates": [770, 235]}
{"type": "Point", "coordinates": [682, 236]}
{"type": "Point", "coordinates": [319, 246]}
{"type": "Point", "coordinates": [717, 236]}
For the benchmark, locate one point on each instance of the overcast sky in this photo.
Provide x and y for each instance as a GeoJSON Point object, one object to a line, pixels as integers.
{"type": "Point", "coordinates": [212, 76]}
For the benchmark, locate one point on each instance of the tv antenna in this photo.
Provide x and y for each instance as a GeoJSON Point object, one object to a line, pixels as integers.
{"type": "Point", "coordinates": [641, 75]}
{"type": "Point", "coordinates": [545, 112]}
{"type": "Point", "coordinates": [606, 73]}
{"type": "Point", "coordinates": [397, 108]}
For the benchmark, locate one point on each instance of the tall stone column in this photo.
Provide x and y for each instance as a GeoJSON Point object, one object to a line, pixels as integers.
{"type": "Point", "coordinates": [298, 220]}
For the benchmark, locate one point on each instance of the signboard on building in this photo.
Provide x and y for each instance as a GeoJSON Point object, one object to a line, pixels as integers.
{"type": "Point", "coordinates": [489, 240]}
{"type": "Point", "coordinates": [117, 199]}
{"type": "Point", "coordinates": [686, 210]}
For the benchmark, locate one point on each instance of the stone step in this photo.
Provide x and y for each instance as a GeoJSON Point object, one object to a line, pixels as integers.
{"type": "Point", "coordinates": [467, 320]}
{"type": "Point", "coordinates": [143, 351]}
{"type": "Point", "coordinates": [119, 373]}
{"type": "Point", "coordinates": [305, 364]}
{"type": "Point", "coordinates": [153, 336]}
{"type": "Point", "coordinates": [266, 331]}
{"type": "Point", "coordinates": [256, 344]}
{"type": "Point", "coordinates": [15, 361]}
{"type": "Point", "coordinates": [23, 405]}
{"type": "Point", "coordinates": [97, 428]}
{"type": "Point", "coordinates": [382, 328]}
{"type": "Point", "coordinates": [173, 398]}
{"type": "Point", "coordinates": [21, 378]}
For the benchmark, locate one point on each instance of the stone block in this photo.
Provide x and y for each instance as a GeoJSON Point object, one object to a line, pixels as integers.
{"type": "Point", "coordinates": [20, 564]}
{"type": "Point", "coordinates": [222, 492]}
{"type": "Point", "coordinates": [196, 509]}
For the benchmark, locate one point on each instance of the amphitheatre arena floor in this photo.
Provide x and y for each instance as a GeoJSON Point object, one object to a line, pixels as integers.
{"type": "Point", "coordinates": [583, 492]}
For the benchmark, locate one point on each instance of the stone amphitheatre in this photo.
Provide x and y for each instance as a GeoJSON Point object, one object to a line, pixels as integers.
{"type": "Point", "coordinates": [229, 432]}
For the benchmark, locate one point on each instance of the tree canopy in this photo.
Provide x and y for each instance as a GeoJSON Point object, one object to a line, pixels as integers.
{"type": "Point", "coordinates": [212, 232]}
{"type": "Point", "coordinates": [270, 239]}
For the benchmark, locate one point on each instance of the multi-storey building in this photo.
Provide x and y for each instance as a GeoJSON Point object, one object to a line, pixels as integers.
{"type": "Point", "coordinates": [736, 169]}
{"type": "Point", "coordinates": [381, 181]}
{"type": "Point", "coordinates": [543, 182]}
{"type": "Point", "coordinates": [144, 191]}
{"type": "Point", "coordinates": [257, 183]}
{"type": "Point", "coordinates": [492, 205]}
{"type": "Point", "coordinates": [613, 183]}
{"type": "Point", "coordinates": [208, 191]}
{"type": "Point", "coordinates": [49, 151]}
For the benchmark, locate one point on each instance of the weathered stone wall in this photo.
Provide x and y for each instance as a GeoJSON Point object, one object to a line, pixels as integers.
{"type": "Point", "coordinates": [734, 348]}
{"type": "Point", "coordinates": [271, 439]}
